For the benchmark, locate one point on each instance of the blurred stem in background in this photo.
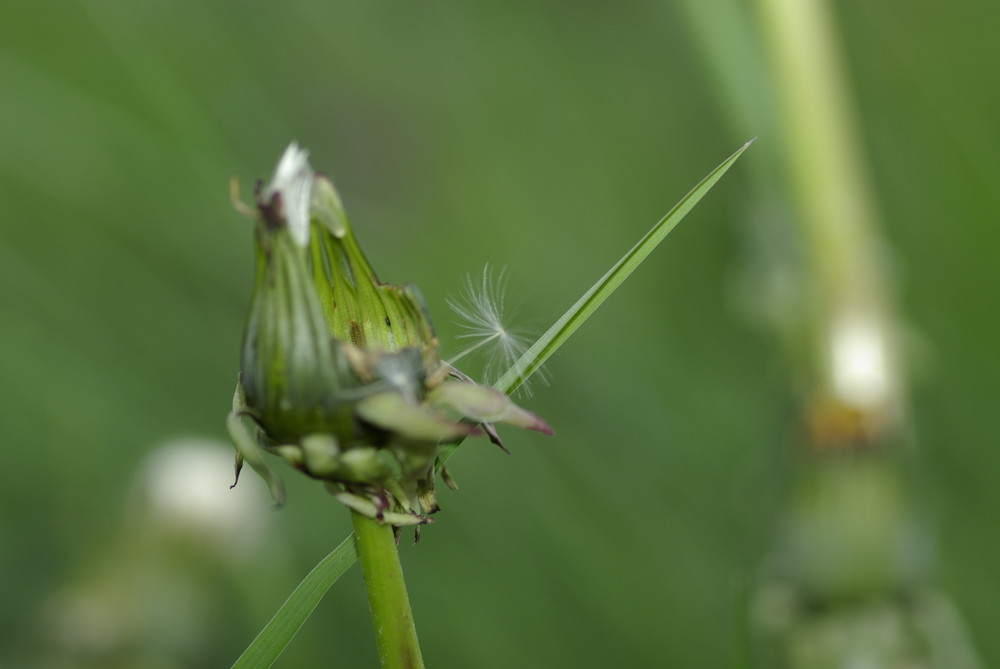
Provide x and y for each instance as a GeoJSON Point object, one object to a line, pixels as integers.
{"type": "Point", "coordinates": [848, 583]}
{"type": "Point", "coordinates": [848, 314]}
{"type": "Point", "coordinates": [850, 580]}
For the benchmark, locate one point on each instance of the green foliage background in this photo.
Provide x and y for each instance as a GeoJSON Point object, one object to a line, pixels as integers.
{"type": "Point", "coordinates": [542, 136]}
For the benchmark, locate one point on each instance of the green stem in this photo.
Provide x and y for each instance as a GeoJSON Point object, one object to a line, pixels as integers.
{"type": "Point", "coordinates": [850, 301]}
{"type": "Point", "coordinates": [395, 634]}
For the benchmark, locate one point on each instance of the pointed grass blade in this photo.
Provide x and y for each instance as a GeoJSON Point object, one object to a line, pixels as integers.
{"type": "Point", "coordinates": [556, 336]}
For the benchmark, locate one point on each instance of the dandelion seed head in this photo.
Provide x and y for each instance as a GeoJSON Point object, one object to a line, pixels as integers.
{"type": "Point", "coordinates": [482, 310]}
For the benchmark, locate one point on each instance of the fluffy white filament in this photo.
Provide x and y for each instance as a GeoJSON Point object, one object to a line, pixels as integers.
{"type": "Point", "coordinates": [293, 178]}
{"type": "Point", "coordinates": [481, 307]}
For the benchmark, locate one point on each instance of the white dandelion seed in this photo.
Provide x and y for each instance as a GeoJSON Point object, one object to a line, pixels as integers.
{"type": "Point", "coordinates": [293, 178]}
{"type": "Point", "coordinates": [482, 308]}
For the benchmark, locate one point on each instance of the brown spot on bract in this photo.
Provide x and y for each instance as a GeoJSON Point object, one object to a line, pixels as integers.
{"type": "Point", "coordinates": [357, 335]}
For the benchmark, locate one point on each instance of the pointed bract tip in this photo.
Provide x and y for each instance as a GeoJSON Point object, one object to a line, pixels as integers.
{"type": "Point", "coordinates": [539, 425]}
{"type": "Point", "coordinates": [491, 431]}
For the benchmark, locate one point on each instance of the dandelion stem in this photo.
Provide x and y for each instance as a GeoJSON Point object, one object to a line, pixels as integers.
{"type": "Point", "coordinates": [395, 634]}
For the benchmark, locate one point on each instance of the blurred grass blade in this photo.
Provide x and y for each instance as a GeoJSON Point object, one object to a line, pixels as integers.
{"type": "Point", "coordinates": [557, 335]}
{"type": "Point", "coordinates": [271, 641]}
{"type": "Point", "coordinates": [268, 645]}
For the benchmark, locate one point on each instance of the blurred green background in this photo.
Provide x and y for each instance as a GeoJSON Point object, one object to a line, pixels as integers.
{"type": "Point", "coordinates": [541, 136]}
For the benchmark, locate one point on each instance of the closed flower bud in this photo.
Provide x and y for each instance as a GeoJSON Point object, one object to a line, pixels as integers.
{"type": "Point", "coordinates": [341, 374]}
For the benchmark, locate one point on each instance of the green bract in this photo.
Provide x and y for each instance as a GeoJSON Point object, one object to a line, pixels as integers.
{"type": "Point", "coordinates": [340, 373]}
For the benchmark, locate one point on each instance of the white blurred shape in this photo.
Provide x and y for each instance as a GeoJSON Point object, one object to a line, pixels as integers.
{"type": "Point", "coordinates": [293, 178]}
{"type": "Point", "coordinates": [860, 362]}
{"type": "Point", "coordinates": [185, 483]}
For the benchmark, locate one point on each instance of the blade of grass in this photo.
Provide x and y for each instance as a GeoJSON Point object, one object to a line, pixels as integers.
{"type": "Point", "coordinates": [532, 359]}
{"type": "Point", "coordinates": [561, 330]}
{"type": "Point", "coordinates": [293, 613]}
{"type": "Point", "coordinates": [277, 634]}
